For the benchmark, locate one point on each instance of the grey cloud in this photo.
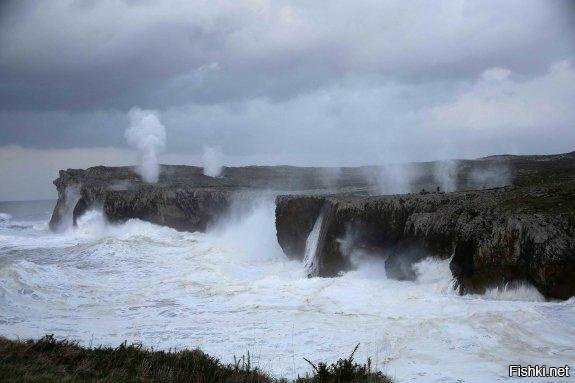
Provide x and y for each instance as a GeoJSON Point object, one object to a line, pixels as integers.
{"type": "Point", "coordinates": [62, 129]}
{"type": "Point", "coordinates": [115, 54]}
{"type": "Point", "coordinates": [298, 82]}
{"type": "Point", "coordinates": [31, 171]}
{"type": "Point", "coordinates": [359, 123]}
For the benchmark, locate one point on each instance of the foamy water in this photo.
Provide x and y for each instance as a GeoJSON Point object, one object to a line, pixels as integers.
{"type": "Point", "coordinates": [232, 290]}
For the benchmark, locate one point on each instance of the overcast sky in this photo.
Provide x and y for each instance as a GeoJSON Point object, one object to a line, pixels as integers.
{"type": "Point", "coordinates": [299, 82]}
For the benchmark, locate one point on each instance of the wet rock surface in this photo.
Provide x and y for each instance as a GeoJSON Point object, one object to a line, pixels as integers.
{"type": "Point", "coordinates": [522, 232]}
{"type": "Point", "coordinates": [495, 236]}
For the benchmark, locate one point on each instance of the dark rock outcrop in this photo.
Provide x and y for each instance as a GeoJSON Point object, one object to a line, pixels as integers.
{"type": "Point", "coordinates": [495, 236]}
{"type": "Point", "coordinates": [182, 209]}
{"type": "Point", "coordinates": [523, 231]}
{"type": "Point", "coordinates": [184, 198]}
{"type": "Point", "coordinates": [177, 199]}
{"type": "Point", "coordinates": [304, 211]}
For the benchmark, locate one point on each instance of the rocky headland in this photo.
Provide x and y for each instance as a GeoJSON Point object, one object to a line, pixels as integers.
{"type": "Point", "coordinates": [508, 219]}
{"type": "Point", "coordinates": [184, 198]}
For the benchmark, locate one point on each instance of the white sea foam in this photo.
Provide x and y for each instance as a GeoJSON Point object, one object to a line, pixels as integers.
{"type": "Point", "coordinates": [231, 290]}
{"type": "Point", "coordinates": [521, 292]}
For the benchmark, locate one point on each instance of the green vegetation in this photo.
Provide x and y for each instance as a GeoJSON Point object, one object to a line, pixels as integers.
{"type": "Point", "coordinates": [344, 370]}
{"type": "Point", "coordinates": [51, 360]}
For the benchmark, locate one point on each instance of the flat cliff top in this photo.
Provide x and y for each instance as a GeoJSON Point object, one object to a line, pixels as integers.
{"type": "Point", "coordinates": [483, 173]}
{"type": "Point", "coordinates": [286, 178]}
{"type": "Point", "coordinates": [554, 197]}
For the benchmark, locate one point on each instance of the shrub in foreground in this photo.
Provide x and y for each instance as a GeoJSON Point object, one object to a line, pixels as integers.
{"type": "Point", "coordinates": [51, 360]}
{"type": "Point", "coordinates": [344, 370]}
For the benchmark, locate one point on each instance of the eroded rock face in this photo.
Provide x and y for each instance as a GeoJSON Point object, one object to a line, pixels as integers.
{"type": "Point", "coordinates": [521, 232]}
{"type": "Point", "coordinates": [294, 222]}
{"type": "Point", "coordinates": [187, 201]}
{"type": "Point", "coordinates": [183, 198]}
{"type": "Point", "coordinates": [495, 236]}
{"type": "Point", "coordinates": [181, 209]}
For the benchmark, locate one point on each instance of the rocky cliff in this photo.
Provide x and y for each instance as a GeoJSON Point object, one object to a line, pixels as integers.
{"type": "Point", "coordinates": [522, 232]}
{"type": "Point", "coordinates": [520, 226]}
{"type": "Point", "coordinates": [184, 198]}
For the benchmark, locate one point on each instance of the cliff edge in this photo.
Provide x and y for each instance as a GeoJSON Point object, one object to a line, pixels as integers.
{"type": "Point", "coordinates": [521, 232]}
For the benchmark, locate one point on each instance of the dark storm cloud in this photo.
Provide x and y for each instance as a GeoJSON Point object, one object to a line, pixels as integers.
{"type": "Point", "coordinates": [80, 55]}
{"type": "Point", "coordinates": [61, 129]}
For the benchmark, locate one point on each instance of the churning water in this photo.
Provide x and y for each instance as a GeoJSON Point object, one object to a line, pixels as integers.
{"type": "Point", "coordinates": [232, 290]}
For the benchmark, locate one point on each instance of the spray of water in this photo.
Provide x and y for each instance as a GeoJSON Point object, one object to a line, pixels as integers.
{"type": "Point", "coordinates": [310, 258]}
{"type": "Point", "coordinates": [147, 135]}
{"type": "Point", "coordinates": [66, 209]}
{"type": "Point", "coordinates": [248, 229]}
{"type": "Point", "coordinates": [445, 174]}
{"type": "Point", "coordinates": [514, 292]}
{"type": "Point", "coordinates": [212, 160]}
{"type": "Point", "coordinates": [329, 177]}
{"type": "Point", "coordinates": [391, 178]}
{"type": "Point", "coordinates": [496, 175]}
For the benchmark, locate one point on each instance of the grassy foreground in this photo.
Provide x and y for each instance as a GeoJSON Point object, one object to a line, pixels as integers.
{"type": "Point", "coordinates": [51, 360]}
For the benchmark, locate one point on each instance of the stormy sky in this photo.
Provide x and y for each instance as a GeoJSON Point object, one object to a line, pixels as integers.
{"type": "Point", "coordinates": [277, 82]}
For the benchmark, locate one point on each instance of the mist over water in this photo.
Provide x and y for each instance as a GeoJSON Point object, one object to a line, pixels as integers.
{"type": "Point", "coordinates": [231, 290]}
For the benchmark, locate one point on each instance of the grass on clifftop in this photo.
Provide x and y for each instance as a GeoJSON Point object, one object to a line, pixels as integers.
{"type": "Point", "coordinates": [51, 360]}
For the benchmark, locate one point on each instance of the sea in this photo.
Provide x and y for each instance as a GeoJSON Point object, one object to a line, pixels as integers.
{"type": "Point", "coordinates": [231, 291]}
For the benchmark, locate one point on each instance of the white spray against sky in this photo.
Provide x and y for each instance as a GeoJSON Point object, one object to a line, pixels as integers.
{"type": "Point", "coordinates": [448, 175]}
{"type": "Point", "coordinates": [212, 161]}
{"type": "Point", "coordinates": [392, 178]}
{"type": "Point", "coordinates": [492, 176]}
{"type": "Point", "coordinates": [445, 173]}
{"type": "Point", "coordinates": [147, 135]}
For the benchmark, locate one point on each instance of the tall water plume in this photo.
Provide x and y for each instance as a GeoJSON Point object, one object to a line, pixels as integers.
{"type": "Point", "coordinates": [212, 160]}
{"type": "Point", "coordinates": [147, 135]}
{"type": "Point", "coordinates": [445, 174]}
